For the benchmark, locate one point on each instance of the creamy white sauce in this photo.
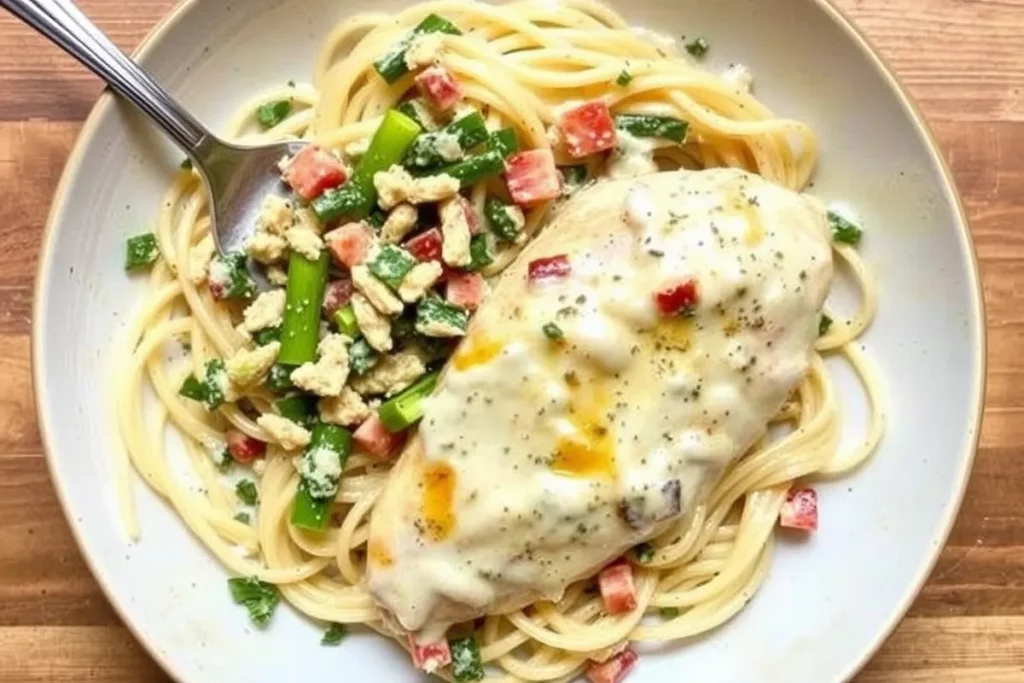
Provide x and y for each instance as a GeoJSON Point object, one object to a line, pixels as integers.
{"type": "Point", "coordinates": [631, 157]}
{"type": "Point", "coordinates": [562, 454]}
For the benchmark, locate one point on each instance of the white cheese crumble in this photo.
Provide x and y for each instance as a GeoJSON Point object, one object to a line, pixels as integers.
{"type": "Point", "coordinates": [419, 280]}
{"type": "Point", "coordinates": [374, 325]}
{"type": "Point", "coordinates": [247, 368]}
{"type": "Point", "coordinates": [268, 243]}
{"type": "Point", "coordinates": [632, 157]}
{"type": "Point", "coordinates": [399, 223]}
{"type": "Point", "coordinates": [267, 310]}
{"type": "Point", "coordinates": [305, 242]}
{"type": "Point", "coordinates": [447, 145]}
{"type": "Point", "coordinates": [391, 374]}
{"type": "Point", "coordinates": [289, 435]}
{"type": "Point", "coordinates": [327, 375]}
{"type": "Point", "coordinates": [740, 76]}
{"type": "Point", "coordinates": [379, 294]}
{"type": "Point", "coordinates": [277, 276]}
{"type": "Point", "coordinates": [199, 259]}
{"type": "Point", "coordinates": [348, 408]}
{"type": "Point", "coordinates": [395, 186]}
{"type": "Point", "coordinates": [455, 230]}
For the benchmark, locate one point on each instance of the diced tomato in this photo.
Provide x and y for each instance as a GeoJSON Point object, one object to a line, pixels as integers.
{"type": "Point", "coordinates": [430, 657]}
{"type": "Point", "coordinates": [244, 448]}
{"type": "Point", "coordinates": [337, 295]}
{"type": "Point", "coordinates": [440, 87]}
{"type": "Point", "coordinates": [549, 268]}
{"type": "Point", "coordinates": [312, 170]}
{"type": "Point", "coordinates": [465, 289]}
{"type": "Point", "coordinates": [800, 511]}
{"type": "Point", "coordinates": [426, 246]}
{"type": "Point", "coordinates": [679, 298]}
{"type": "Point", "coordinates": [615, 669]}
{"type": "Point", "coordinates": [374, 438]}
{"type": "Point", "coordinates": [350, 243]}
{"type": "Point", "coordinates": [588, 129]}
{"type": "Point", "coordinates": [531, 177]}
{"type": "Point", "coordinates": [617, 589]}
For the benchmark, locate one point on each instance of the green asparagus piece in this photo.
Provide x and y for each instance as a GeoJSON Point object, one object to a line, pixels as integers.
{"type": "Point", "coordinates": [305, 293]}
{"type": "Point", "coordinates": [406, 409]}
{"type": "Point", "coordinates": [391, 66]}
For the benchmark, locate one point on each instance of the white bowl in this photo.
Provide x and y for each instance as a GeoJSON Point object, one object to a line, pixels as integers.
{"type": "Point", "coordinates": [827, 603]}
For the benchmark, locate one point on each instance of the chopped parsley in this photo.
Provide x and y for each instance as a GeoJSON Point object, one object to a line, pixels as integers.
{"type": "Point", "coordinates": [391, 265]}
{"type": "Point", "coordinates": [334, 634]}
{"type": "Point", "coordinates": [243, 517]}
{"type": "Point", "coordinates": [280, 378]}
{"type": "Point", "coordinates": [624, 78]}
{"type": "Point", "coordinates": [361, 357]}
{"type": "Point", "coordinates": [698, 47]}
{"type": "Point", "coordinates": [210, 390]}
{"type": "Point", "coordinates": [273, 113]}
{"type": "Point", "coordinates": [435, 317]}
{"type": "Point", "coordinates": [466, 663]}
{"type": "Point", "coordinates": [553, 332]}
{"type": "Point", "coordinates": [479, 253]}
{"type": "Point", "coordinates": [669, 612]}
{"type": "Point", "coordinates": [258, 597]}
{"type": "Point", "coordinates": [501, 223]}
{"type": "Point", "coordinates": [246, 491]}
{"type": "Point", "coordinates": [186, 164]}
{"type": "Point", "coordinates": [291, 84]}
{"type": "Point", "coordinates": [141, 252]}
{"type": "Point", "coordinates": [644, 553]}
{"type": "Point", "coordinates": [267, 335]}
{"type": "Point", "coordinates": [824, 325]}
{"type": "Point", "coordinates": [844, 230]}
{"type": "Point", "coordinates": [229, 276]}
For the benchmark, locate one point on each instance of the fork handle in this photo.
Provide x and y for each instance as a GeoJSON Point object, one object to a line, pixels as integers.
{"type": "Point", "coordinates": [64, 24]}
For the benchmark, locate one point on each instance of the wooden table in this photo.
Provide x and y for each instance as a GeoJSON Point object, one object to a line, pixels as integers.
{"type": "Point", "coordinates": [962, 59]}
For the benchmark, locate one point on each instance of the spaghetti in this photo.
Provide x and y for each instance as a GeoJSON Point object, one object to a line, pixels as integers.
{"type": "Point", "coordinates": [518, 63]}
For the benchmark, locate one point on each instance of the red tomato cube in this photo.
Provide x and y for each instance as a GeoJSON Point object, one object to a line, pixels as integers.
{"type": "Point", "coordinates": [800, 511]}
{"type": "Point", "coordinates": [312, 170]}
{"type": "Point", "coordinates": [588, 129]}
{"type": "Point", "coordinates": [617, 589]}
{"type": "Point", "coordinates": [676, 299]}
{"type": "Point", "coordinates": [430, 657]}
{"type": "Point", "coordinates": [549, 268]}
{"type": "Point", "coordinates": [337, 295]}
{"type": "Point", "coordinates": [465, 289]}
{"type": "Point", "coordinates": [614, 670]}
{"type": "Point", "coordinates": [426, 246]}
{"type": "Point", "coordinates": [440, 87]}
{"type": "Point", "coordinates": [350, 243]}
{"type": "Point", "coordinates": [374, 438]}
{"type": "Point", "coordinates": [244, 448]}
{"type": "Point", "coordinates": [531, 177]}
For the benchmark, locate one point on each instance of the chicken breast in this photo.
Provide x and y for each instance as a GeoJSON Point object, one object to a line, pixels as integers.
{"type": "Point", "coordinates": [667, 320]}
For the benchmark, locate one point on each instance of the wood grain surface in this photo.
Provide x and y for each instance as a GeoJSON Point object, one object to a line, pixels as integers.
{"type": "Point", "coordinates": [962, 59]}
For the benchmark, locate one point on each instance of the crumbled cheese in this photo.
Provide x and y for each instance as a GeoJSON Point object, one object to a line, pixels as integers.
{"type": "Point", "coordinates": [391, 374]}
{"type": "Point", "coordinates": [219, 273]}
{"type": "Point", "coordinates": [247, 368]}
{"type": "Point", "coordinates": [424, 50]}
{"type": "Point", "coordinates": [518, 218]}
{"type": "Point", "coordinates": [306, 218]}
{"type": "Point", "coordinates": [199, 259]}
{"type": "Point", "coordinates": [268, 243]}
{"type": "Point", "coordinates": [320, 469]}
{"type": "Point", "coordinates": [277, 276]}
{"type": "Point", "coordinates": [218, 451]}
{"type": "Point", "coordinates": [289, 435]}
{"type": "Point", "coordinates": [400, 221]}
{"type": "Point", "coordinates": [220, 378]}
{"type": "Point", "coordinates": [455, 229]}
{"type": "Point", "coordinates": [348, 408]}
{"type": "Point", "coordinates": [259, 466]}
{"type": "Point", "coordinates": [305, 242]}
{"type": "Point", "coordinates": [632, 157]}
{"type": "Point", "coordinates": [243, 332]}
{"type": "Point", "coordinates": [376, 328]}
{"type": "Point", "coordinates": [419, 280]}
{"type": "Point", "coordinates": [437, 328]}
{"type": "Point", "coordinates": [395, 186]}
{"type": "Point", "coordinates": [447, 145]}
{"type": "Point", "coordinates": [740, 76]}
{"type": "Point", "coordinates": [379, 294]}
{"type": "Point", "coordinates": [327, 375]}
{"type": "Point", "coordinates": [266, 311]}
{"type": "Point", "coordinates": [357, 148]}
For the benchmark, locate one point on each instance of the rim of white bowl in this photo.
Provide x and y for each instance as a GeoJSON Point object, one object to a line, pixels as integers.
{"type": "Point", "coordinates": [73, 167]}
